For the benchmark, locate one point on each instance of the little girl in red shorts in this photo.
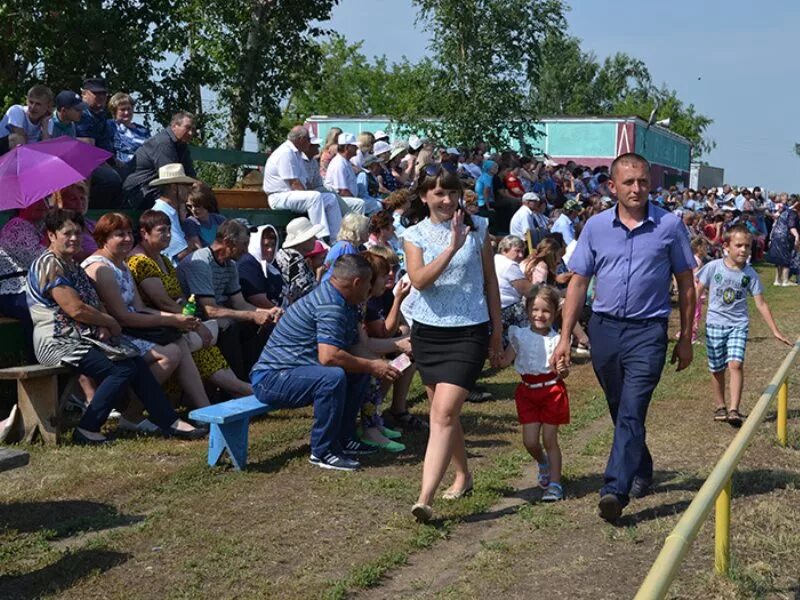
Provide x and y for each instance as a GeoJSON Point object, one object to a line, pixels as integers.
{"type": "Point", "coordinates": [541, 397]}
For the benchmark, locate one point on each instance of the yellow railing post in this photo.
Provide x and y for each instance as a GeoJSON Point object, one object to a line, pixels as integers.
{"type": "Point", "coordinates": [722, 531]}
{"type": "Point", "coordinates": [783, 410]}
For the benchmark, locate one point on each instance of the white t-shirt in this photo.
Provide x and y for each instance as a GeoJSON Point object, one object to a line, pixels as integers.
{"type": "Point", "coordinates": [522, 222]}
{"type": "Point", "coordinates": [340, 175]}
{"type": "Point", "coordinates": [285, 163]}
{"type": "Point", "coordinates": [534, 351]}
{"type": "Point", "coordinates": [507, 271]}
{"type": "Point", "coordinates": [17, 116]}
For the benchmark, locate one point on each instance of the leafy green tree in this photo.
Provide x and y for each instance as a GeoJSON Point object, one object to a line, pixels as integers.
{"type": "Point", "coordinates": [487, 54]}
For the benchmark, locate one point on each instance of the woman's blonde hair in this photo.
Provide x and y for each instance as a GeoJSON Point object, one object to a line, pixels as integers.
{"type": "Point", "coordinates": [365, 141]}
{"type": "Point", "coordinates": [387, 253]}
{"type": "Point", "coordinates": [116, 100]}
{"type": "Point", "coordinates": [354, 229]}
{"type": "Point", "coordinates": [333, 136]}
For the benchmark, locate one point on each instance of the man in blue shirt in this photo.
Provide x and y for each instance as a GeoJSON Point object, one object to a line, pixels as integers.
{"type": "Point", "coordinates": [96, 128]}
{"type": "Point", "coordinates": [306, 361]}
{"type": "Point", "coordinates": [564, 224]}
{"type": "Point", "coordinates": [633, 251]}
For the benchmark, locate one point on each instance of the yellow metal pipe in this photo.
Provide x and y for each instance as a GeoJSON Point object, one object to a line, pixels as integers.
{"type": "Point", "coordinates": [722, 531]}
{"type": "Point", "coordinates": [783, 411]}
{"type": "Point", "coordinates": [666, 565]}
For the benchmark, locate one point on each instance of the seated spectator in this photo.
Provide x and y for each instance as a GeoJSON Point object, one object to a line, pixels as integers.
{"type": "Point", "coordinates": [157, 335]}
{"type": "Point", "coordinates": [306, 361]}
{"type": "Point", "coordinates": [160, 289]}
{"type": "Point", "coordinates": [259, 274]}
{"type": "Point", "coordinates": [368, 186]}
{"type": "Point", "coordinates": [329, 150]}
{"type": "Point", "coordinates": [395, 166]}
{"type": "Point", "coordinates": [565, 223]}
{"type": "Point", "coordinates": [74, 197]}
{"type": "Point", "coordinates": [201, 226]}
{"type": "Point", "coordinates": [95, 128]}
{"type": "Point", "coordinates": [168, 147]}
{"type": "Point", "coordinates": [317, 183]}
{"type": "Point", "coordinates": [383, 319]}
{"type": "Point", "coordinates": [316, 259]}
{"type": "Point", "coordinates": [285, 180]}
{"type": "Point", "coordinates": [514, 286]}
{"type": "Point", "coordinates": [365, 141]}
{"type": "Point", "coordinates": [386, 181]}
{"type": "Point", "coordinates": [352, 237]}
{"type": "Point", "coordinates": [381, 231]}
{"type": "Point", "coordinates": [69, 112]}
{"type": "Point", "coordinates": [72, 329]}
{"type": "Point", "coordinates": [21, 242]}
{"type": "Point", "coordinates": [484, 186]}
{"type": "Point", "coordinates": [529, 218]}
{"type": "Point", "coordinates": [173, 187]}
{"type": "Point", "coordinates": [211, 275]}
{"type": "Point", "coordinates": [25, 124]}
{"type": "Point", "coordinates": [340, 175]}
{"type": "Point", "coordinates": [398, 203]}
{"type": "Point", "coordinates": [128, 136]}
{"type": "Point", "coordinates": [298, 278]}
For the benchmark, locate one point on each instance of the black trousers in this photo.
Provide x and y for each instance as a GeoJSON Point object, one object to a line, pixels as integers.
{"type": "Point", "coordinates": [241, 344]}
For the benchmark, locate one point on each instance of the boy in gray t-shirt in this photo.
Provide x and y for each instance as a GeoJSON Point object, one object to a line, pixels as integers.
{"type": "Point", "coordinates": [729, 280]}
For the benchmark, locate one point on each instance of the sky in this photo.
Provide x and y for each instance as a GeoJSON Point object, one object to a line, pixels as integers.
{"type": "Point", "coordinates": [734, 60]}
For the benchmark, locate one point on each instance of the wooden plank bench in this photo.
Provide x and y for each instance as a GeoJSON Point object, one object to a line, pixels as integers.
{"type": "Point", "coordinates": [40, 407]}
{"type": "Point", "coordinates": [230, 425]}
{"type": "Point", "coordinates": [13, 459]}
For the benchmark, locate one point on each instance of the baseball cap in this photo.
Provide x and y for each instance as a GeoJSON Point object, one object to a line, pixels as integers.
{"type": "Point", "coordinates": [452, 150]}
{"type": "Point", "coordinates": [571, 205]}
{"type": "Point", "coordinates": [70, 99]}
{"type": "Point", "coordinates": [346, 139]}
{"type": "Point", "coordinates": [531, 197]}
{"type": "Point", "coordinates": [95, 84]}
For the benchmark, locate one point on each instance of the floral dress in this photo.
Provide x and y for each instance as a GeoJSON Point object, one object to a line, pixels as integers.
{"type": "Point", "coordinates": [208, 360]}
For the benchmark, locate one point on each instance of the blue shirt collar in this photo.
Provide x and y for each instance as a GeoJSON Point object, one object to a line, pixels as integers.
{"type": "Point", "coordinates": [648, 217]}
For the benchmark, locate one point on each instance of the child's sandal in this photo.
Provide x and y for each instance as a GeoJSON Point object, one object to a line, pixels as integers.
{"type": "Point", "coordinates": [544, 475]}
{"type": "Point", "coordinates": [721, 414]}
{"type": "Point", "coordinates": [735, 418]}
{"type": "Point", "coordinates": [554, 493]}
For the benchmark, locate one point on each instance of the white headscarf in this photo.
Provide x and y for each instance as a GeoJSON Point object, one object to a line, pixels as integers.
{"type": "Point", "coordinates": [254, 248]}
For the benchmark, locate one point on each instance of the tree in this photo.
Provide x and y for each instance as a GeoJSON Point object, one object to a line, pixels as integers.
{"type": "Point", "coordinates": [60, 45]}
{"type": "Point", "coordinates": [487, 54]}
{"type": "Point", "coordinates": [346, 83]}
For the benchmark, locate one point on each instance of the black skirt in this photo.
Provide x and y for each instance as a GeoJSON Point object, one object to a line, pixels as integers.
{"type": "Point", "coordinates": [452, 355]}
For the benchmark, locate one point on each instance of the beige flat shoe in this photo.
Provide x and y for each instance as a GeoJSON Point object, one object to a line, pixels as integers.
{"type": "Point", "coordinates": [458, 494]}
{"type": "Point", "coordinates": [422, 512]}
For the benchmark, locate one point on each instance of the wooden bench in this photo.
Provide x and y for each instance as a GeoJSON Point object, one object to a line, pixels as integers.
{"type": "Point", "coordinates": [230, 424]}
{"type": "Point", "coordinates": [41, 409]}
{"type": "Point", "coordinates": [13, 459]}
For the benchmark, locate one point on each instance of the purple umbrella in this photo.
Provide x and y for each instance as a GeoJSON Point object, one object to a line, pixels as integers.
{"type": "Point", "coordinates": [32, 171]}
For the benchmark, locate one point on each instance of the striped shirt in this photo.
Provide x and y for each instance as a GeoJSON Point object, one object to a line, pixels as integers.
{"type": "Point", "coordinates": [200, 274]}
{"type": "Point", "coordinates": [321, 317]}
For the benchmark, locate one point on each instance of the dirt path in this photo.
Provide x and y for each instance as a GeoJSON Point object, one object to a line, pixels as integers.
{"type": "Point", "coordinates": [521, 547]}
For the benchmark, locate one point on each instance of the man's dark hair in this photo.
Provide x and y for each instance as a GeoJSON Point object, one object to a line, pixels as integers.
{"type": "Point", "coordinates": [629, 157]}
{"type": "Point", "coordinates": [57, 217]}
{"type": "Point", "coordinates": [351, 266]}
{"type": "Point", "coordinates": [179, 116]}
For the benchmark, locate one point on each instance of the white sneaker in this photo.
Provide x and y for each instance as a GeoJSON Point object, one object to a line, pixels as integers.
{"type": "Point", "coordinates": [115, 415]}
{"type": "Point", "coordinates": [144, 426]}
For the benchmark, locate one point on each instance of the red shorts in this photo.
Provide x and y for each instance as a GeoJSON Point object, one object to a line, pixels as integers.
{"type": "Point", "coordinates": [548, 405]}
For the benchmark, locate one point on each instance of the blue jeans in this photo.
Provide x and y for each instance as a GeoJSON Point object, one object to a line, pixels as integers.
{"type": "Point", "coordinates": [112, 379]}
{"type": "Point", "coordinates": [336, 395]}
{"type": "Point", "coordinates": [628, 357]}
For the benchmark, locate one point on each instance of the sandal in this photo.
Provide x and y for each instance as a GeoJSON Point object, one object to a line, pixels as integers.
{"type": "Point", "coordinates": [735, 418]}
{"type": "Point", "coordinates": [554, 493]}
{"type": "Point", "coordinates": [721, 414]}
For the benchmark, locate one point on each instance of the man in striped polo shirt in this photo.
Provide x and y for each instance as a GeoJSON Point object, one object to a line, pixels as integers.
{"type": "Point", "coordinates": [306, 361]}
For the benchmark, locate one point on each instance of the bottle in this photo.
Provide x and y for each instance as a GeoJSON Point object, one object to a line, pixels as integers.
{"type": "Point", "coordinates": [190, 308]}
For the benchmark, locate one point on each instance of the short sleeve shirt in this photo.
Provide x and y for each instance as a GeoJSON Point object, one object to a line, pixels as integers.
{"type": "Point", "coordinates": [200, 274]}
{"type": "Point", "coordinates": [457, 297]}
{"type": "Point", "coordinates": [17, 116]}
{"type": "Point", "coordinates": [206, 232]}
{"type": "Point", "coordinates": [533, 350]}
{"type": "Point", "coordinates": [340, 248]}
{"type": "Point", "coordinates": [507, 271]}
{"type": "Point", "coordinates": [285, 163]}
{"type": "Point", "coordinates": [340, 175]}
{"type": "Point", "coordinates": [177, 243]}
{"type": "Point", "coordinates": [321, 317]}
{"type": "Point", "coordinates": [727, 292]}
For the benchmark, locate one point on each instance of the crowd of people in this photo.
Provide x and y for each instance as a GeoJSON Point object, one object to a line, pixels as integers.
{"type": "Point", "coordinates": [405, 257]}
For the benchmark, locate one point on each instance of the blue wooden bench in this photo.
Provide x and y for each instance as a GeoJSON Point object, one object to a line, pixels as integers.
{"type": "Point", "coordinates": [230, 423]}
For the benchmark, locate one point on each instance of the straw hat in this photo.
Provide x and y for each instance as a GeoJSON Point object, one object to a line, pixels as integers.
{"type": "Point", "coordinates": [172, 173]}
{"type": "Point", "coordinates": [300, 230]}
